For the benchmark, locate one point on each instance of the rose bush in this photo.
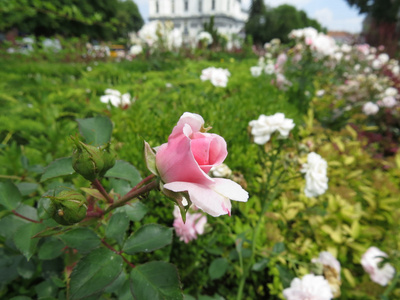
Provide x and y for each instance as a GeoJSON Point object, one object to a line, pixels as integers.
{"type": "Point", "coordinates": [183, 164]}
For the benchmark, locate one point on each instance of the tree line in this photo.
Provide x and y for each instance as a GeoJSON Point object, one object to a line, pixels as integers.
{"type": "Point", "coordinates": [97, 19]}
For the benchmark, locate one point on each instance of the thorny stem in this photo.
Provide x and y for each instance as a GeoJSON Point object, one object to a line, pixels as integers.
{"type": "Point", "coordinates": [118, 253]}
{"type": "Point", "coordinates": [131, 195]}
{"type": "Point", "coordinates": [147, 179]}
{"type": "Point", "coordinates": [26, 218]}
{"type": "Point", "coordinates": [97, 184]}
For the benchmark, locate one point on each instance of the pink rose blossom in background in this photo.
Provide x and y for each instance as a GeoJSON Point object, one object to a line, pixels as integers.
{"type": "Point", "coordinates": [370, 262]}
{"type": "Point", "coordinates": [183, 164]}
{"type": "Point", "coordinates": [194, 225]}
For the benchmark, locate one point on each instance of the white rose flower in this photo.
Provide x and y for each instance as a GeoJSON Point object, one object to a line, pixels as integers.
{"type": "Point", "coordinates": [388, 101]}
{"type": "Point", "coordinates": [206, 37]}
{"type": "Point", "coordinates": [221, 171]}
{"type": "Point", "coordinates": [256, 71]}
{"type": "Point", "coordinates": [327, 259]}
{"type": "Point", "coordinates": [265, 126]}
{"type": "Point", "coordinates": [310, 287]}
{"type": "Point", "coordinates": [206, 73]}
{"type": "Point", "coordinates": [331, 271]}
{"type": "Point", "coordinates": [115, 98]}
{"type": "Point", "coordinates": [219, 77]}
{"type": "Point", "coordinates": [269, 69]}
{"type": "Point", "coordinates": [391, 91]}
{"type": "Point", "coordinates": [136, 50]}
{"type": "Point", "coordinates": [370, 108]}
{"type": "Point", "coordinates": [320, 93]}
{"type": "Point", "coordinates": [383, 58]}
{"type": "Point", "coordinates": [370, 262]}
{"type": "Point", "coordinates": [316, 178]}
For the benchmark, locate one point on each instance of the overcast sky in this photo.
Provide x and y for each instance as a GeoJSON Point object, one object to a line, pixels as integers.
{"type": "Point", "coordinates": [332, 14]}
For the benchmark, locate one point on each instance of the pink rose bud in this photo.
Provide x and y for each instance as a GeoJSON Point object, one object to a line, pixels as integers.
{"type": "Point", "coordinates": [183, 164]}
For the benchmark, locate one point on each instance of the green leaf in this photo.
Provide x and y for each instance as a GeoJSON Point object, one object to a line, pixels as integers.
{"type": "Point", "coordinates": [8, 267]}
{"type": "Point", "coordinates": [156, 280]}
{"type": "Point", "coordinates": [51, 249]}
{"type": "Point", "coordinates": [46, 289]}
{"type": "Point", "coordinates": [10, 197]}
{"type": "Point", "coordinates": [150, 158]}
{"type": "Point", "coordinates": [96, 131]}
{"type": "Point", "coordinates": [27, 188]}
{"type": "Point", "coordinates": [285, 276]}
{"type": "Point", "coordinates": [94, 272]}
{"type": "Point", "coordinates": [10, 224]}
{"type": "Point", "coordinates": [278, 248]}
{"type": "Point", "coordinates": [117, 226]}
{"type": "Point", "coordinates": [135, 211]}
{"type": "Point", "coordinates": [148, 238]}
{"type": "Point", "coordinates": [81, 239]}
{"type": "Point", "coordinates": [218, 268]}
{"type": "Point", "coordinates": [260, 265]}
{"type": "Point", "coordinates": [23, 238]}
{"type": "Point", "coordinates": [124, 170]}
{"type": "Point", "coordinates": [120, 186]}
{"type": "Point", "coordinates": [59, 167]}
{"type": "Point", "coordinates": [94, 193]}
{"type": "Point", "coordinates": [52, 231]}
{"type": "Point", "coordinates": [26, 269]}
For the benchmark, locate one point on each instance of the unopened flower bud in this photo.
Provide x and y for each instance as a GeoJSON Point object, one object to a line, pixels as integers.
{"type": "Point", "coordinates": [87, 160]}
{"type": "Point", "coordinates": [68, 207]}
{"type": "Point", "coordinates": [108, 156]}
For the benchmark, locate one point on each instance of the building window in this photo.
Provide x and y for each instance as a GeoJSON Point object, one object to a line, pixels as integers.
{"type": "Point", "coordinates": [173, 6]}
{"type": "Point", "coordinates": [185, 29]}
{"type": "Point", "coordinates": [186, 5]}
{"type": "Point", "coordinates": [200, 6]}
{"type": "Point", "coordinates": [213, 5]}
{"type": "Point", "coordinates": [229, 5]}
{"type": "Point", "coordinates": [157, 8]}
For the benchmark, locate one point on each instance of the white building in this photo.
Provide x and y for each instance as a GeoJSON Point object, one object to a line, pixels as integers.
{"type": "Point", "coordinates": [190, 15]}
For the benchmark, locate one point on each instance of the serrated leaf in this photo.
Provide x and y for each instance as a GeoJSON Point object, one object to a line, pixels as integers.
{"type": "Point", "coordinates": [23, 238]}
{"type": "Point", "coordinates": [126, 171]}
{"type": "Point", "coordinates": [51, 249]}
{"type": "Point", "coordinates": [148, 238]}
{"type": "Point", "coordinates": [135, 211]}
{"type": "Point", "coordinates": [94, 272]}
{"type": "Point", "coordinates": [81, 239]}
{"type": "Point", "coordinates": [52, 231]}
{"type": "Point", "coordinates": [119, 186]}
{"type": "Point", "coordinates": [218, 268]}
{"type": "Point", "coordinates": [117, 226]}
{"type": "Point", "coordinates": [156, 281]}
{"type": "Point", "coordinates": [96, 131]}
{"type": "Point", "coordinates": [10, 197]}
{"type": "Point", "coordinates": [59, 167]}
{"type": "Point", "coordinates": [27, 188]}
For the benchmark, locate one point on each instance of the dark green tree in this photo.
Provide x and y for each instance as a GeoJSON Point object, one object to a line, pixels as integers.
{"type": "Point", "coordinates": [266, 23]}
{"type": "Point", "coordinates": [380, 10]}
{"type": "Point", "coordinates": [256, 23]}
{"type": "Point", "coordinates": [99, 19]}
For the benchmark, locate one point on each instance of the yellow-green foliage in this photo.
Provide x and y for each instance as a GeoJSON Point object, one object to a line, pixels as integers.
{"type": "Point", "coordinates": [360, 209]}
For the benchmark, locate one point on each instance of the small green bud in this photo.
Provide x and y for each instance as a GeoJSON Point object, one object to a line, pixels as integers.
{"type": "Point", "coordinates": [108, 158]}
{"type": "Point", "coordinates": [87, 160]}
{"type": "Point", "coordinates": [68, 207]}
